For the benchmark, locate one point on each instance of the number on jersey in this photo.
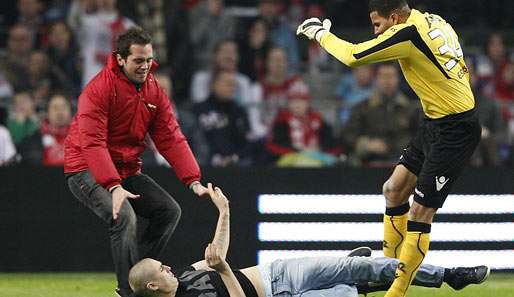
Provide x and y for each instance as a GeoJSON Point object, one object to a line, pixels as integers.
{"type": "Point", "coordinates": [450, 47]}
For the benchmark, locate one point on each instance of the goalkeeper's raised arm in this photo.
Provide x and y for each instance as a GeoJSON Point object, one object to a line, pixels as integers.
{"type": "Point", "coordinates": [393, 44]}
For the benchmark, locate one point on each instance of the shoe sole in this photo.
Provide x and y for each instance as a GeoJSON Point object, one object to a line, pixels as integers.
{"type": "Point", "coordinates": [486, 275]}
{"type": "Point", "coordinates": [367, 250]}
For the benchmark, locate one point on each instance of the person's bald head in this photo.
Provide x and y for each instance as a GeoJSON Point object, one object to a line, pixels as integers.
{"type": "Point", "coordinates": [141, 274]}
{"type": "Point", "coordinates": [151, 278]}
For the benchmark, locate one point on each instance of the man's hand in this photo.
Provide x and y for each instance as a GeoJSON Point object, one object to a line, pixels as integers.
{"type": "Point", "coordinates": [214, 259]}
{"type": "Point", "coordinates": [119, 195]}
{"type": "Point", "coordinates": [313, 28]}
{"type": "Point", "coordinates": [218, 198]}
{"type": "Point", "coordinates": [200, 190]}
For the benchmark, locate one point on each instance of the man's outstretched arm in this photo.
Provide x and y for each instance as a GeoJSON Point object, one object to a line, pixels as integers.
{"type": "Point", "coordinates": [222, 235]}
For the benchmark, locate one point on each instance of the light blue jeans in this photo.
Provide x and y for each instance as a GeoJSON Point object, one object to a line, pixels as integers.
{"type": "Point", "coordinates": [336, 276]}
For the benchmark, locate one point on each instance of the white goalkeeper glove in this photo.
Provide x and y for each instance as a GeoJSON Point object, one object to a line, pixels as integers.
{"type": "Point", "coordinates": [313, 28]}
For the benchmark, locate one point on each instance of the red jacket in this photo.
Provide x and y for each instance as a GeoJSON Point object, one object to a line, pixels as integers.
{"type": "Point", "coordinates": [108, 132]}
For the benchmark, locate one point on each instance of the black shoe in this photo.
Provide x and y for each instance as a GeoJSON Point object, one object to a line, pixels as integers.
{"type": "Point", "coordinates": [460, 277]}
{"type": "Point", "coordinates": [362, 251]}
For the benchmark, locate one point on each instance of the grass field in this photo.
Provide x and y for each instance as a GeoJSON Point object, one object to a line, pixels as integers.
{"type": "Point", "coordinates": [102, 285]}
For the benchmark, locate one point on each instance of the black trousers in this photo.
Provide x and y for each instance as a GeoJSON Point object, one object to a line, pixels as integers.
{"type": "Point", "coordinates": [144, 225]}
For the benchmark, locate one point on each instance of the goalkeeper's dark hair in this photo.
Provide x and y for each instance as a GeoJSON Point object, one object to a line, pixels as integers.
{"type": "Point", "coordinates": [134, 35]}
{"type": "Point", "coordinates": [384, 8]}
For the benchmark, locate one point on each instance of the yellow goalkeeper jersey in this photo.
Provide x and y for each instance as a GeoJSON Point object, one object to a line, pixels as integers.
{"type": "Point", "coordinates": [430, 57]}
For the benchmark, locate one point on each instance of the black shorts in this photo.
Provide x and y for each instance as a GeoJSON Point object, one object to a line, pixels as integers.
{"type": "Point", "coordinates": [438, 153]}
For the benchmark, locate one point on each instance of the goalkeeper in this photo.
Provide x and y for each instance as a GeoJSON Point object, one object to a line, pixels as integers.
{"type": "Point", "coordinates": [431, 58]}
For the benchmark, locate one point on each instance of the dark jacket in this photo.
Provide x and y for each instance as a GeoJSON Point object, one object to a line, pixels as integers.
{"type": "Point", "coordinates": [391, 119]}
{"type": "Point", "coordinates": [224, 125]}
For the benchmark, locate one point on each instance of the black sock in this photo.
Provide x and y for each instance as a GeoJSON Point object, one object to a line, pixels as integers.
{"type": "Point", "coordinates": [398, 210]}
{"type": "Point", "coordinates": [418, 227]}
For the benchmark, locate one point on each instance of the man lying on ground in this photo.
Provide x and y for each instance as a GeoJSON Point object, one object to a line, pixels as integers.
{"type": "Point", "coordinates": [305, 277]}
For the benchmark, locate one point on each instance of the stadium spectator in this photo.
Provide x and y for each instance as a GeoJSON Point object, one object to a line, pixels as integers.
{"type": "Point", "coordinates": [44, 79]}
{"type": "Point", "coordinates": [226, 58]}
{"type": "Point", "coordinates": [300, 134]}
{"type": "Point", "coordinates": [6, 91]}
{"type": "Point", "coordinates": [224, 123]}
{"type": "Point", "coordinates": [98, 32]}
{"type": "Point", "coordinates": [357, 273]}
{"type": "Point", "coordinates": [493, 126]}
{"type": "Point", "coordinates": [7, 148]}
{"type": "Point", "coordinates": [281, 35]}
{"type": "Point", "coordinates": [352, 89]}
{"type": "Point", "coordinates": [46, 145]}
{"type": "Point", "coordinates": [294, 12]}
{"type": "Point", "coordinates": [31, 15]}
{"type": "Point", "coordinates": [151, 16]}
{"type": "Point", "coordinates": [190, 127]}
{"type": "Point", "coordinates": [254, 47]}
{"type": "Point", "coordinates": [209, 24]}
{"type": "Point", "coordinates": [14, 62]}
{"type": "Point", "coordinates": [505, 96]}
{"type": "Point", "coordinates": [56, 10]}
{"type": "Point", "coordinates": [77, 10]}
{"type": "Point", "coordinates": [373, 144]}
{"type": "Point", "coordinates": [63, 53]}
{"type": "Point", "coordinates": [23, 120]}
{"type": "Point", "coordinates": [188, 124]}
{"type": "Point", "coordinates": [276, 84]}
{"type": "Point", "coordinates": [505, 83]}
{"type": "Point", "coordinates": [246, 95]}
{"type": "Point", "coordinates": [488, 66]}
{"type": "Point", "coordinates": [116, 111]}
{"type": "Point", "coordinates": [180, 54]}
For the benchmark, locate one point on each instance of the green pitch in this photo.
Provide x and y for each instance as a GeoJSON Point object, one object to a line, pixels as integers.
{"type": "Point", "coordinates": [102, 285]}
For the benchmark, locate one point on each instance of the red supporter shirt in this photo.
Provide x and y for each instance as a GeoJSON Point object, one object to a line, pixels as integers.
{"type": "Point", "coordinates": [53, 143]}
{"type": "Point", "coordinates": [107, 134]}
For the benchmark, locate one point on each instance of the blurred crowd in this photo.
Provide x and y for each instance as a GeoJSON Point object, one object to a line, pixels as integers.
{"type": "Point", "coordinates": [246, 90]}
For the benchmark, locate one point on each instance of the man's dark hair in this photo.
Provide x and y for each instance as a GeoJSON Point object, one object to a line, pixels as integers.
{"type": "Point", "coordinates": [384, 8]}
{"type": "Point", "coordinates": [134, 35]}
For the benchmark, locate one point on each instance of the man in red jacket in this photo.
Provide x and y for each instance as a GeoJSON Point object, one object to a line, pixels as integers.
{"type": "Point", "coordinates": [118, 107]}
